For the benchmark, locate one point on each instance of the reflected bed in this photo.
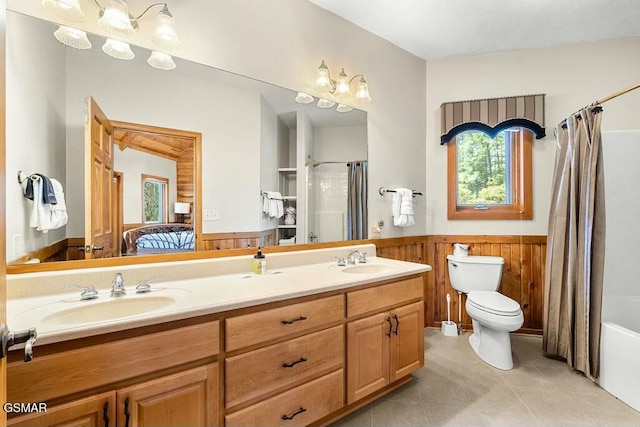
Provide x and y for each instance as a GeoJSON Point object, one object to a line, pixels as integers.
{"type": "Point", "coordinates": [158, 239]}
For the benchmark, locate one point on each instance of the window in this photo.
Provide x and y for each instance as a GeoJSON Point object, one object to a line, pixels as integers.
{"type": "Point", "coordinates": [490, 178]}
{"type": "Point", "coordinates": [154, 199]}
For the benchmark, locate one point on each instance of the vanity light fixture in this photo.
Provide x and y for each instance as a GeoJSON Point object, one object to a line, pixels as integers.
{"type": "Point", "coordinates": [342, 87]}
{"type": "Point", "coordinates": [341, 108]}
{"type": "Point", "coordinates": [115, 19]}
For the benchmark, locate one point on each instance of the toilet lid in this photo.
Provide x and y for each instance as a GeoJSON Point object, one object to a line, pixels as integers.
{"type": "Point", "coordinates": [493, 302]}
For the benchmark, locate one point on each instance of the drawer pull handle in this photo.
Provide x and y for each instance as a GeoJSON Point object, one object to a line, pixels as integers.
{"type": "Point", "coordinates": [395, 316]}
{"type": "Point", "coordinates": [390, 327]}
{"type": "Point", "coordinates": [105, 414]}
{"type": "Point", "coordinates": [291, 365]}
{"type": "Point", "coordinates": [127, 414]}
{"type": "Point", "coordinates": [293, 415]}
{"type": "Point", "coordinates": [292, 321]}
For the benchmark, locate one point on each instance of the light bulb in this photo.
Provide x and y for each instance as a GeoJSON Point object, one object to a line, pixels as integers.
{"type": "Point", "coordinates": [342, 87]}
{"type": "Point", "coordinates": [161, 61]}
{"type": "Point", "coordinates": [117, 49]}
{"type": "Point", "coordinates": [304, 98]}
{"type": "Point", "coordinates": [323, 81]}
{"type": "Point", "coordinates": [116, 20]}
{"type": "Point", "coordinates": [165, 36]}
{"type": "Point", "coordinates": [362, 90]}
{"type": "Point", "coordinates": [69, 10]}
{"type": "Point", "coordinates": [325, 103]}
{"type": "Point", "coordinates": [72, 37]}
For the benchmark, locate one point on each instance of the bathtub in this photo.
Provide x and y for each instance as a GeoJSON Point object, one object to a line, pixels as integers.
{"type": "Point", "coordinates": [620, 349]}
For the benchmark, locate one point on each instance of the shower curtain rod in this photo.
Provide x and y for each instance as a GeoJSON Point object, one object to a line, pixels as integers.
{"type": "Point", "coordinates": [617, 94]}
{"type": "Point", "coordinates": [603, 100]}
{"type": "Point", "coordinates": [311, 162]}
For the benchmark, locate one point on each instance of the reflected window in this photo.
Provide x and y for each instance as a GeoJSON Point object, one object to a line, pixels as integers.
{"type": "Point", "coordinates": [155, 199]}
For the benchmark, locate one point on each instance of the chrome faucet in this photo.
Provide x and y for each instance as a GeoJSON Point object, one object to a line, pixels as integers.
{"type": "Point", "coordinates": [88, 292]}
{"type": "Point", "coordinates": [144, 286]}
{"type": "Point", "coordinates": [117, 286]}
{"type": "Point", "coordinates": [362, 257]}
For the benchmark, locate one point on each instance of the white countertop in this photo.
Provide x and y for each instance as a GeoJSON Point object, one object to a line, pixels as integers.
{"type": "Point", "coordinates": [58, 314]}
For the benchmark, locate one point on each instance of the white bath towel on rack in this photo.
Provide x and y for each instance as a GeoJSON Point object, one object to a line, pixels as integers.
{"type": "Point", "coordinates": [402, 207]}
{"type": "Point", "coordinates": [272, 204]}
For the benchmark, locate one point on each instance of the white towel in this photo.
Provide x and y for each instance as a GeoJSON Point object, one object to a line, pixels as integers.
{"type": "Point", "coordinates": [272, 204]}
{"type": "Point", "coordinates": [402, 207]}
{"type": "Point", "coordinates": [44, 216]}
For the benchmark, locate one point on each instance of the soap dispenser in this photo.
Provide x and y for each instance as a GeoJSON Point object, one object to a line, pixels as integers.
{"type": "Point", "coordinates": [259, 262]}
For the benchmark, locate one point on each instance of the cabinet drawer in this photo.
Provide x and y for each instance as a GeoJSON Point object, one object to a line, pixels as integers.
{"type": "Point", "coordinates": [300, 406]}
{"type": "Point", "coordinates": [380, 297]}
{"type": "Point", "coordinates": [255, 328]}
{"type": "Point", "coordinates": [72, 371]}
{"type": "Point", "coordinates": [270, 369]}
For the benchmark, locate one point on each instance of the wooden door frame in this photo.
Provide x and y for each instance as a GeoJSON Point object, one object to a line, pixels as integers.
{"type": "Point", "coordinates": [3, 221]}
{"type": "Point", "coordinates": [118, 211]}
{"type": "Point", "coordinates": [196, 140]}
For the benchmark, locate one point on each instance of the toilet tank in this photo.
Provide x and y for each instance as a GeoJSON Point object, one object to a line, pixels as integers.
{"type": "Point", "coordinates": [475, 273]}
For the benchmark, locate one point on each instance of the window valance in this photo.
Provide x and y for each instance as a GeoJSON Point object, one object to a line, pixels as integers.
{"type": "Point", "coordinates": [493, 115]}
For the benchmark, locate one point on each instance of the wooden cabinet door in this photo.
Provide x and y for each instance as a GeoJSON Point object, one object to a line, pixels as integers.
{"type": "Point", "coordinates": [367, 355]}
{"type": "Point", "coordinates": [188, 398]}
{"type": "Point", "coordinates": [407, 340]}
{"type": "Point", "coordinates": [94, 411]}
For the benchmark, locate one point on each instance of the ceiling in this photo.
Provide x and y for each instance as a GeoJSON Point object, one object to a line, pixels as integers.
{"type": "Point", "coordinates": [434, 29]}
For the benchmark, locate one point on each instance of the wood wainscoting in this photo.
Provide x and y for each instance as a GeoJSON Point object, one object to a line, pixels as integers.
{"type": "Point", "coordinates": [240, 240]}
{"type": "Point", "coordinates": [522, 273]}
{"type": "Point", "coordinates": [522, 276]}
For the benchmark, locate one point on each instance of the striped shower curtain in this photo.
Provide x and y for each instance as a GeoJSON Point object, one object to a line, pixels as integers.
{"type": "Point", "coordinates": [357, 201]}
{"type": "Point", "coordinates": [575, 245]}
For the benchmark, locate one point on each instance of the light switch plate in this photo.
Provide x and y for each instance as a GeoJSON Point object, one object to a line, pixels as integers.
{"type": "Point", "coordinates": [211, 214]}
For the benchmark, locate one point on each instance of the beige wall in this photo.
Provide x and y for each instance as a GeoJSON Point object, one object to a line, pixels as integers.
{"type": "Point", "coordinates": [571, 76]}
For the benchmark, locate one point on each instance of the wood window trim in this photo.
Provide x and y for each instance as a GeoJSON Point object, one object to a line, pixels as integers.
{"type": "Point", "coordinates": [521, 185]}
{"type": "Point", "coordinates": [165, 196]}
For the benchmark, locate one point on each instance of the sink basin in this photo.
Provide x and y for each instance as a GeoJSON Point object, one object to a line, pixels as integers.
{"type": "Point", "coordinates": [367, 269]}
{"type": "Point", "coordinates": [96, 311]}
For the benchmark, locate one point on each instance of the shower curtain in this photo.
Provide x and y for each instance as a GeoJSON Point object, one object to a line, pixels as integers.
{"type": "Point", "coordinates": [357, 201]}
{"type": "Point", "coordinates": [575, 245]}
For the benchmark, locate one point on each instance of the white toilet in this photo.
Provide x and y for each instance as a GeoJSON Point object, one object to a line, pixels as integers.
{"type": "Point", "coordinates": [493, 315]}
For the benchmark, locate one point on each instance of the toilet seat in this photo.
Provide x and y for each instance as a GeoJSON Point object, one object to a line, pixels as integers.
{"type": "Point", "coordinates": [494, 303]}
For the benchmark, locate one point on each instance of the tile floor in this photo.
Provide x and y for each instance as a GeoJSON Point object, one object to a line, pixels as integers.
{"type": "Point", "coordinates": [456, 388]}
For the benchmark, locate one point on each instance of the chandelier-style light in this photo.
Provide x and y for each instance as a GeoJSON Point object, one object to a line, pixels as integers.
{"type": "Point", "coordinates": [340, 89]}
{"type": "Point", "coordinates": [115, 19]}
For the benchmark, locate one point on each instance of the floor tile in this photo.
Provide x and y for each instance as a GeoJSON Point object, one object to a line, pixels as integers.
{"type": "Point", "coordinates": [457, 389]}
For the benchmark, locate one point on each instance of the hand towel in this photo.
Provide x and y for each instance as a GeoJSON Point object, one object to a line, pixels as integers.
{"type": "Point", "coordinates": [46, 216]}
{"type": "Point", "coordinates": [276, 207]}
{"type": "Point", "coordinates": [402, 207]}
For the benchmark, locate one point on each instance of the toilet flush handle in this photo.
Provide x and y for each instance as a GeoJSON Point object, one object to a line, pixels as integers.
{"type": "Point", "coordinates": [453, 264]}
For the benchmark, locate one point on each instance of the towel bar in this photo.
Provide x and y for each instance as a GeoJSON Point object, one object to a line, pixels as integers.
{"type": "Point", "coordinates": [383, 190]}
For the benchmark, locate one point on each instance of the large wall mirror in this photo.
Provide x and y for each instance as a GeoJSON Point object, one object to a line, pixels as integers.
{"type": "Point", "coordinates": [212, 159]}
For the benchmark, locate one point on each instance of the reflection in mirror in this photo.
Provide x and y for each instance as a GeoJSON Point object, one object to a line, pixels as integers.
{"type": "Point", "coordinates": [255, 140]}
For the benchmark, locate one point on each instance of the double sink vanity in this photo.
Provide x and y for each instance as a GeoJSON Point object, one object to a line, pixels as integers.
{"type": "Point", "coordinates": [204, 342]}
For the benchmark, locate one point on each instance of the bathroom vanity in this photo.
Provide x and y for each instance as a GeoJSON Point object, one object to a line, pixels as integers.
{"type": "Point", "coordinates": [304, 345]}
